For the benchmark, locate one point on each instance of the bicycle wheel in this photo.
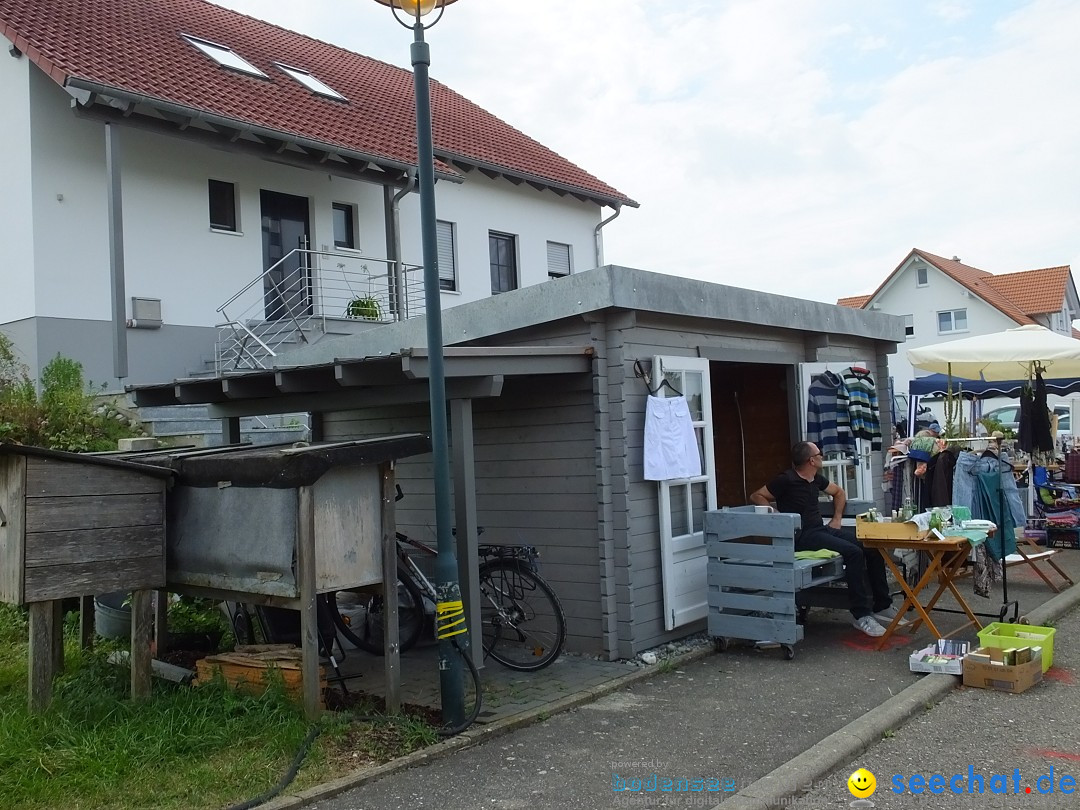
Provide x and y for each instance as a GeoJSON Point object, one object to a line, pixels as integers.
{"type": "Point", "coordinates": [359, 617]}
{"type": "Point", "coordinates": [522, 621]}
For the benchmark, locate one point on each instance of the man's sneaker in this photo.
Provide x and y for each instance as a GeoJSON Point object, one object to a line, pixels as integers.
{"type": "Point", "coordinates": [869, 625]}
{"type": "Point", "coordinates": [885, 617]}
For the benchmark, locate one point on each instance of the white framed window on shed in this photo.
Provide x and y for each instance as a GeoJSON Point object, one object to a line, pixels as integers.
{"type": "Point", "coordinates": [909, 326]}
{"type": "Point", "coordinates": [952, 320]}
{"type": "Point", "coordinates": [223, 213]}
{"type": "Point", "coordinates": [560, 260]}
{"type": "Point", "coordinates": [922, 279]}
{"type": "Point", "coordinates": [447, 249]}
{"type": "Point", "coordinates": [345, 235]}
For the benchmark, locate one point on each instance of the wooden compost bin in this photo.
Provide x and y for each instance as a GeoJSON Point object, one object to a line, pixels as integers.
{"type": "Point", "coordinates": [276, 525]}
{"type": "Point", "coordinates": [74, 525]}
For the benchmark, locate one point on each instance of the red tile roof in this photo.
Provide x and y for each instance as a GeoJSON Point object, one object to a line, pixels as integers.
{"type": "Point", "coordinates": [1036, 292]}
{"type": "Point", "coordinates": [1018, 295]}
{"type": "Point", "coordinates": [136, 46]}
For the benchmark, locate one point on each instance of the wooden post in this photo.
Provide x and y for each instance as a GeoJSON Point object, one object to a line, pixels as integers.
{"type": "Point", "coordinates": [309, 622]}
{"type": "Point", "coordinates": [58, 636]}
{"type": "Point", "coordinates": [391, 634]}
{"type": "Point", "coordinates": [161, 622]}
{"type": "Point", "coordinates": [86, 622]}
{"type": "Point", "coordinates": [142, 624]}
{"type": "Point", "coordinates": [42, 655]}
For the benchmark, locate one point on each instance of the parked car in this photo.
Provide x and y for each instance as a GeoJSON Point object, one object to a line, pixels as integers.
{"type": "Point", "coordinates": [1009, 417]}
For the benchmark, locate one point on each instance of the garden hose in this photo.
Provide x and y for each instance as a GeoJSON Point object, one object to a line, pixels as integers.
{"type": "Point", "coordinates": [305, 746]}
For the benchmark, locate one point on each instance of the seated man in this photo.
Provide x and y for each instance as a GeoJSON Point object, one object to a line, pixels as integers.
{"type": "Point", "coordinates": [796, 490]}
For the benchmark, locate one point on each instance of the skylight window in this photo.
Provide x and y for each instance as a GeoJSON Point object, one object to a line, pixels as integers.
{"type": "Point", "coordinates": [311, 83]}
{"type": "Point", "coordinates": [226, 57]}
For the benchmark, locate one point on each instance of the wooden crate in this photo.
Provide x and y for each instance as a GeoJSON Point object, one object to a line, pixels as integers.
{"type": "Point", "coordinates": [250, 672]}
{"type": "Point", "coordinates": [75, 525]}
{"type": "Point", "coordinates": [866, 529]}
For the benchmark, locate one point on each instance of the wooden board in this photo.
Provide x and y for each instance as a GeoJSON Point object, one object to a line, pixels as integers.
{"type": "Point", "coordinates": [866, 529]}
{"type": "Point", "coordinates": [12, 528]}
{"type": "Point", "coordinates": [93, 545]}
{"type": "Point", "coordinates": [80, 579]}
{"type": "Point", "coordinates": [51, 477]}
{"type": "Point", "coordinates": [55, 514]}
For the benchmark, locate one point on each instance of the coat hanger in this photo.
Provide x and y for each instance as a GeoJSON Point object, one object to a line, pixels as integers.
{"type": "Point", "coordinates": [642, 374]}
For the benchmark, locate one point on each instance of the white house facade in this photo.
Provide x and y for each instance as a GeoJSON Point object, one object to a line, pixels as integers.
{"type": "Point", "coordinates": [139, 208]}
{"type": "Point", "coordinates": [944, 299]}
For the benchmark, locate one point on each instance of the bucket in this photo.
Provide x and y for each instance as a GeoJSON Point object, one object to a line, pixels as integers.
{"type": "Point", "coordinates": [112, 618]}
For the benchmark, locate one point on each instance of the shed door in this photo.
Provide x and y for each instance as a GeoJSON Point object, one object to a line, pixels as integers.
{"type": "Point", "coordinates": [684, 501]}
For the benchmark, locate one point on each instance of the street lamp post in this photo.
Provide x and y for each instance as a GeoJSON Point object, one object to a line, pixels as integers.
{"type": "Point", "coordinates": [449, 612]}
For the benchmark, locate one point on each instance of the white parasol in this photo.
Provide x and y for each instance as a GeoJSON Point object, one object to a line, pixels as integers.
{"type": "Point", "coordinates": [1002, 355]}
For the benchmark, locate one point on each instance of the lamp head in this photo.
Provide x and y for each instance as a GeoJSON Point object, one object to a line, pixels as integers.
{"type": "Point", "coordinates": [415, 8]}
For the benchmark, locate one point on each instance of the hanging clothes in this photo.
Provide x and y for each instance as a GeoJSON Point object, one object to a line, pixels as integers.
{"type": "Point", "coordinates": [1040, 417]}
{"type": "Point", "coordinates": [968, 465]}
{"type": "Point", "coordinates": [671, 448]}
{"type": "Point", "coordinates": [858, 396]}
{"type": "Point", "coordinates": [1025, 434]}
{"type": "Point", "coordinates": [823, 415]}
{"type": "Point", "coordinates": [991, 504]}
{"type": "Point", "coordinates": [941, 478]}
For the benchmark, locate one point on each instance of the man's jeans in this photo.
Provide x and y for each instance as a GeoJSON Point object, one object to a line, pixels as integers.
{"type": "Point", "coordinates": [860, 565]}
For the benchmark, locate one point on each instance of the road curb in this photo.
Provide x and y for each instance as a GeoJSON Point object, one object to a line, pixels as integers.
{"type": "Point", "coordinates": [478, 734]}
{"type": "Point", "coordinates": [797, 775]}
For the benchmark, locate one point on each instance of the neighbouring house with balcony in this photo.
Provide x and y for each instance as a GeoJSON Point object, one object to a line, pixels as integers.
{"type": "Point", "coordinates": [944, 299]}
{"type": "Point", "coordinates": [189, 189]}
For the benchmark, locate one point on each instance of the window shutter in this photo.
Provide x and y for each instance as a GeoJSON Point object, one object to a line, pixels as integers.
{"type": "Point", "coordinates": [444, 237]}
{"type": "Point", "coordinates": [558, 259]}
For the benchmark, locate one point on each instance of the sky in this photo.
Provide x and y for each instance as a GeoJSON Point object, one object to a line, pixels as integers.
{"type": "Point", "coordinates": [800, 147]}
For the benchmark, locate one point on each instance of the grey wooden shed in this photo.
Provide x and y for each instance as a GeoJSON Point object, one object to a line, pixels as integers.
{"type": "Point", "coordinates": [547, 421]}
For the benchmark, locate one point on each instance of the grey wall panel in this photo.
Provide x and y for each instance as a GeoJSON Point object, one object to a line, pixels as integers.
{"type": "Point", "coordinates": [535, 483]}
{"type": "Point", "coordinates": [23, 335]}
{"type": "Point", "coordinates": [154, 355]}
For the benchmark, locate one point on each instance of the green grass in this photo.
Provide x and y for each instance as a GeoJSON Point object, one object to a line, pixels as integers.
{"type": "Point", "coordinates": [185, 747]}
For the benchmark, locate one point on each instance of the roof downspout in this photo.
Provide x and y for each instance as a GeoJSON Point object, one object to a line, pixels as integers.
{"type": "Point", "coordinates": [598, 240]}
{"type": "Point", "coordinates": [399, 305]}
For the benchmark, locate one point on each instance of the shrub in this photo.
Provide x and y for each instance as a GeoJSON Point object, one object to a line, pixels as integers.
{"type": "Point", "coordinates": [62, 416]}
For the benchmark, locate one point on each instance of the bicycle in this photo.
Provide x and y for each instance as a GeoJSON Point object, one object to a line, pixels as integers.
{"type": "Point", "coordinates": [523, 626]}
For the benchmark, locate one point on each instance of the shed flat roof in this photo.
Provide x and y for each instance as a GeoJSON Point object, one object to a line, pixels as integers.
{"type": "Point", "coordinates": [398, 378]}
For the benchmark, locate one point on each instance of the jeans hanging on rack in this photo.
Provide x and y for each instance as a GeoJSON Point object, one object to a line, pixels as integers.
{"type": "Point", "coordinates": [968, 466]}
{"type": "Point", "coordinates": [992, 504]}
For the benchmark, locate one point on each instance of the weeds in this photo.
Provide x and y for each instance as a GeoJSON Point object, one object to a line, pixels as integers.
{"type": "Point", "coordinates": [185, 747]}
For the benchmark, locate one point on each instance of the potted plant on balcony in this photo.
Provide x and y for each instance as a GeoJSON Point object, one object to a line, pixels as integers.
{"type": "Point", "coordinates": [366, 308]}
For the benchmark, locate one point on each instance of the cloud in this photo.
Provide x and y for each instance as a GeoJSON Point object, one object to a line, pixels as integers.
{"type": "Point", "coordinates": [801, 148]}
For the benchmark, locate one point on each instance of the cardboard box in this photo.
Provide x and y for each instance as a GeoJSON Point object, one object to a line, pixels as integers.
{"type": "Point", "coordinates": [887, 531]}
{"type": "Point", "coordinates": [1015, 679]}
{"type": "Point", "coordinates": [929, 659]}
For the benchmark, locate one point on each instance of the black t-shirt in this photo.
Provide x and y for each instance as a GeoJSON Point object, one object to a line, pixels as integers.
{"type": "Point", "coordinates": [794, 493]}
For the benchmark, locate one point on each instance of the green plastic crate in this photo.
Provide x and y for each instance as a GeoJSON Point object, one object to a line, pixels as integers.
{"type": "Point", "coordinates": [1003, 636]}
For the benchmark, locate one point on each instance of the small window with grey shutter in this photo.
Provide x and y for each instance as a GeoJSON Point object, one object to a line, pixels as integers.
{"type": "Point", "coordinates": [558, 258]}
{"type": "Point", "coordinates": [444, 237]}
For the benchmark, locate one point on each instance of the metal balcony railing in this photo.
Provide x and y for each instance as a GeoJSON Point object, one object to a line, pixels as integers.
{"type": "Point", "coordinates": [291, 303]}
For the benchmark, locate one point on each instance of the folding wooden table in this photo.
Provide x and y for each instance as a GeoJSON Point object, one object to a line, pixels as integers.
{"type": "Point", "coordinates": [946, 559]}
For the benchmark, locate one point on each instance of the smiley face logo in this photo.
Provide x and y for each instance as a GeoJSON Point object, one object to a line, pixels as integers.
{"type": "Point", "coordinates": [862, 784]}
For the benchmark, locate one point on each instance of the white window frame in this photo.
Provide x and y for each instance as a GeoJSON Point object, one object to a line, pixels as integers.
{"type": "Point", "coordinates": [922, 277]}
{"type": "Point", "coordinates": [309, 81]}
{"type": "Point", "coordinates": [556, 269]}
{"type": "Point", "coordinates": [683, 559]}
{"type": "Point", "coordinates": [952, 320]}
{"type": "Point", "coordinates": [909, 326]}
{"type": "Point", "coordinates": [446, 241]}
{"type": "Point", "coordinates": [224, 56]}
